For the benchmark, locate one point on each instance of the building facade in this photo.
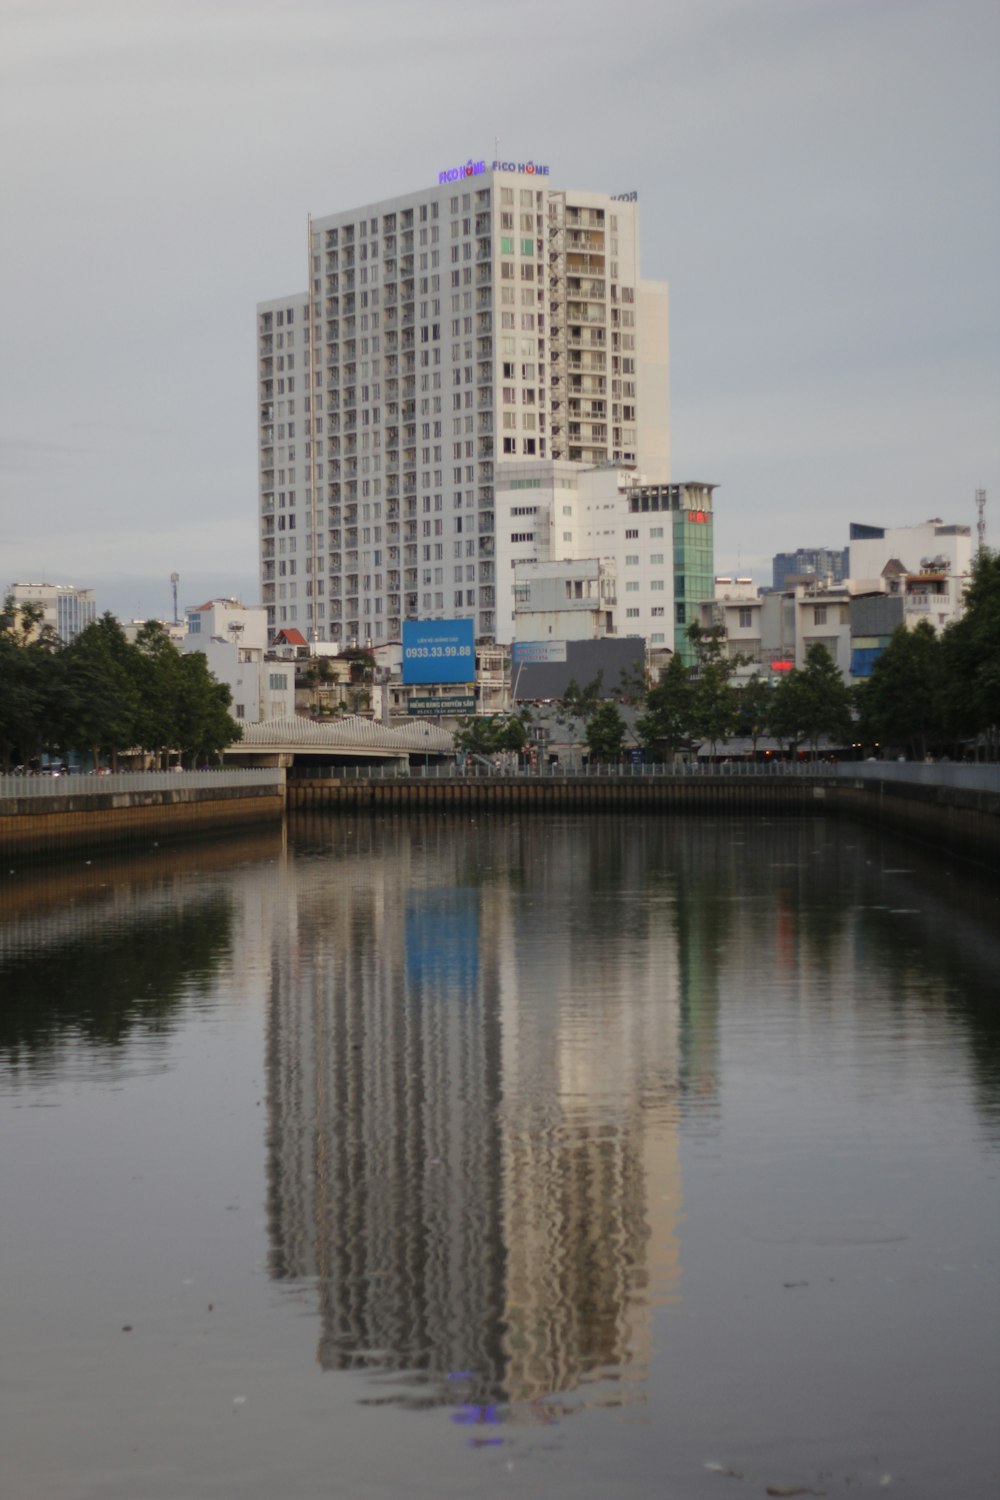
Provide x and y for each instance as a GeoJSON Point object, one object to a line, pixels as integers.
{"type": "Point", "coordinates": [65, 609]}
{"type": "Point", "coordinates": [827, 564]}
{"type": "Point", "coordinates": [234, 641]}
{"type": "Point", "coordinates": [488, 319]}
{"type": "Point", "coordinates": [655, 540]}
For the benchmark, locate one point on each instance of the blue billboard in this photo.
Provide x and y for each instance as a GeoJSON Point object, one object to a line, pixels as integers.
{"type": "Point", "coordinates": [439, 651]}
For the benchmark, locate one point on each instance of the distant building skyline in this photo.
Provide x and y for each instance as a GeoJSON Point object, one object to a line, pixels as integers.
{"type": "Point", "coordinates": [822, 562]}
{"type": "Point", "coordinates": [65, 608]}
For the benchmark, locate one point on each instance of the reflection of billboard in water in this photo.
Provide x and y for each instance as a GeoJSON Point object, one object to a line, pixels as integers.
{"type": "Point", "coordinates": [442, 941]}
{"type": "Point", "coordinates": [439, 651]}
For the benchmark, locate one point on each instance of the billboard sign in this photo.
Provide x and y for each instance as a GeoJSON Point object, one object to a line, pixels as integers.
{"type": "Point", "coordinates": [523, 652]}
{"type": "Point", "coordinates": [455, 703]}
{"type": "Point", "coordinates": [439, 651]}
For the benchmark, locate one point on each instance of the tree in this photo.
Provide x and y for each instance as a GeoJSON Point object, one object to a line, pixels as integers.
{"type": "Point", "coordinates": [812, 701]}
{"type": "Point", "coordinates": [902, 701]}
{"type": "Point", "coordinates": [513, 735]}
{"type": "Point", "coordinates": [579, 702]}
{"type": "Point", "coordinates": [668, 723]}
{"type": "Point", "coordinates": [605, 733]}
{"type": "Point", "coordinates": [486, 736]}
{"type": "Point", "coordinates": [753, 705]}
{"type": "Point", "coordinates": [633, 682]}
{"type": "Point", "coordinates": [576, 706]}
{"type": "Point", "coordinates": [156, 676]}
{"type": "Point", "coordinates": [709, 642]}
{"type": "Point", "coordinates": [204, 725]}
{"type": "Point", "coordinates": [714, 695]}
{"type": "Point", "coordinates": [100, 697]}
{"type": "Point", "coordinates": [714, 707]}
{"type": "Point", "coordinates": [27, 672]}
{"type": "Point", "coordinates": [971, 658]}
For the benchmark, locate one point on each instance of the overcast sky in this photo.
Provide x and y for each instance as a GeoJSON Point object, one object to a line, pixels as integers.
{"type": "Point", "coordinates": [819, 183]}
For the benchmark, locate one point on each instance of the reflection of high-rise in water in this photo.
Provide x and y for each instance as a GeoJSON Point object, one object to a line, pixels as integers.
{"type": "Point", "coordinates": [383, 1079]}
{"type": "Point", "coordinates": [589, 981]}
{"type": "Point", "coordinates": [472, 1093]}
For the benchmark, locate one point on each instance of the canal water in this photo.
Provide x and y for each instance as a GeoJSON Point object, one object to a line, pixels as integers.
{"type": "Point", "coordinates": [579, 1156]}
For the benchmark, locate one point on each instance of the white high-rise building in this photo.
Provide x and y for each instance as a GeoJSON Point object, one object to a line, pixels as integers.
{"type": "Point", "coordinates": [484, 320]}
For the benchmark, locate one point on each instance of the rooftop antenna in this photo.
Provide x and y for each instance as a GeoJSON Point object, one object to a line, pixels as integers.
{"type": "Point", "coordinates": [981, 520]}
{"type": "Point", "coordinates": [175, 579]}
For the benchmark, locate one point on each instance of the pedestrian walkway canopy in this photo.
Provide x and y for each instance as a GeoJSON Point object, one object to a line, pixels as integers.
{"type": "Point", "coordinates": [287, 742]}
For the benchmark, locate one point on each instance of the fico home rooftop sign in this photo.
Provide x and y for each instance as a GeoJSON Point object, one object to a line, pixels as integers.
{"type": "Point", "coordinates": [474, 168]}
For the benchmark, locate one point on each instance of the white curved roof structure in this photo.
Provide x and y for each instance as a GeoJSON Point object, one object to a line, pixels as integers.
{"type": "Point", "coordinates": [344, 735]}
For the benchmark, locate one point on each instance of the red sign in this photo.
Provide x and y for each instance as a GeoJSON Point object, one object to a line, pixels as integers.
{"type": "Point", "coordinates": [782, 666]}
{"type": "Point", "coordinates": [698, 516]}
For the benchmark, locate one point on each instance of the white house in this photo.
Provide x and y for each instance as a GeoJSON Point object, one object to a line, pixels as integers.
{"type": "Point", "coordinates": [233, 639]}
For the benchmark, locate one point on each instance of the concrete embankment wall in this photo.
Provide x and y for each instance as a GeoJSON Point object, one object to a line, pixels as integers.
{"type": "Point", "coordinates": [956, 819]}
{"type": "Point", "coordinates": [774, 794]}
{"type": "Point", "coordinates": [954, 808]}
{"type": "Point", "coordinates": [78, 812]}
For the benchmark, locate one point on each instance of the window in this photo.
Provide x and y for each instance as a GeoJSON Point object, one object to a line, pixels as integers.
{"type": "Point", "coordinates": [632, 614]}
{"type": "Point", "coordinates": [657, 584]}
{"type": "Point", "coordinates": [506, 245]}
{"type": "Point", "coordinates": [632, 535]}
{"type": "Point", "coordinates": [656, 559]}
{"type": "Point", "coordinates": [632, 586]}
{"type": "Point", "coordinates": [819, 614]}
{"type": "Point", "coordinates": [657, 611]}
{"type": "Point", "coordinates": [746, 618]}
{"type": "Point", "coordinates": [278, 682]}
{"type": "Point", "coordinates": [632, 560]}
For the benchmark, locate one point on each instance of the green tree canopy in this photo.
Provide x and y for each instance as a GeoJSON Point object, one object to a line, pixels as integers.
{"type": "Point", "coordinates": [753, 707]}
{"type": "Point", "coordinates": [714, 702]}
{"type": "Point", "coordinates": [668, 723]}
{"type": "Point", "coordinates": [902, 702]}
{"type": "Point", "coordinates": [481, 734]}
{"type": "Point", "coordinates": [971, 658]}
{"type": "Point", "coordinates": [605, 733]}
{"type": "Point", "coordinates": [812, 701]}
{"type": "Point", "coordinates": [101, 694]}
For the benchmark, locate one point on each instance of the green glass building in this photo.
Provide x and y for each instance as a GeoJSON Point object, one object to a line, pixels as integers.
{"type": "Point", "coordinates": [691, 509]}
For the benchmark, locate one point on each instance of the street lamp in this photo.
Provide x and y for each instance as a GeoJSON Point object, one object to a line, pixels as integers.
{"type": "Point", "coordinates": [427, 736]}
